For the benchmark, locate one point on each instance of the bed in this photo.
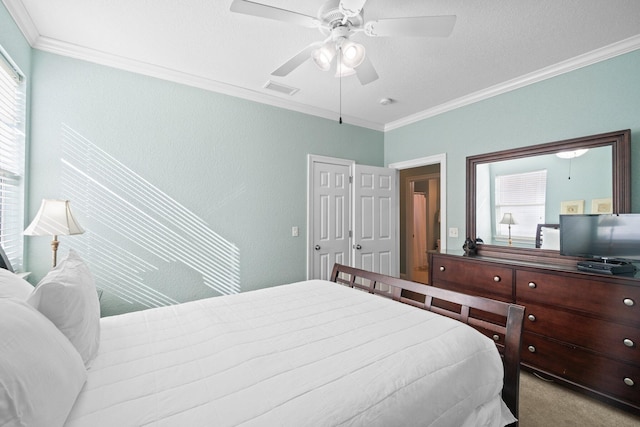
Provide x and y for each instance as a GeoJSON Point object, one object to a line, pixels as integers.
{"type": "Point", "coordinates": [312, 353]}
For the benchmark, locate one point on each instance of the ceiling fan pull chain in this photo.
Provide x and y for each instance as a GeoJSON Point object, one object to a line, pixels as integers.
{"type": "Point", "coordinates": [340, 81]}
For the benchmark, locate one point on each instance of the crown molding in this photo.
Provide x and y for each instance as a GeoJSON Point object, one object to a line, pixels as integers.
{"type": "Point", "coordinates": [28, 29]}
{"type": "Point", "coordinates": [589, 58]}
{"type": "Point", "coordinates": [127, 64]}
{"type": "Point", "coordinates": [23, 20]}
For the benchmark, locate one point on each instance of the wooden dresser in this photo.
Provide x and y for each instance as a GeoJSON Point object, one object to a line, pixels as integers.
{"type": "Point", "coordinates": [581, 329]}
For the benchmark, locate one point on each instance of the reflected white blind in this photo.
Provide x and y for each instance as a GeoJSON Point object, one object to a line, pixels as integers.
{"type": "Point", "coordinates": [523, 195]}
{"type": "Point", "coordinates": [12, 147]}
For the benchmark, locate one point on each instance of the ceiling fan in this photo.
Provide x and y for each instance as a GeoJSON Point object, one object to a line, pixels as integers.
{"type": "Point", "coordinates": [338, 20]}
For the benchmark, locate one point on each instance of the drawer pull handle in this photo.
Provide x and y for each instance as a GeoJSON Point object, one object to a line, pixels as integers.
{"type": "Point", "coordinates": [628, 342]}
{"type": "Point", "coordinates": [532, 285]}
{"type": "Point", "coordinates": [442, 268]}
{"type": "Point", "coordinates": [628, 381]}
{"type": "Point", "coordinates": [496, 278]}
{"type": "Point", "coordinates": [532, 349]}
{"type": "Point", "coordinates": [496, 337]}
{"type": "Point", "coordinates": [629, 302]}
{"type": "Point", "coordinates": [531, 317]}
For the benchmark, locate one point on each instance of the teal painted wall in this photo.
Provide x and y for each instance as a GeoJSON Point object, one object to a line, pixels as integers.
{"type": "Point", "coordinates": [187, 193]}
{"type": "Point", "coordinates": [184, 193]}
{"type": "Point", "coordinates": [13, 42]}
{"type": "Point", "coordinates": [599, 98]}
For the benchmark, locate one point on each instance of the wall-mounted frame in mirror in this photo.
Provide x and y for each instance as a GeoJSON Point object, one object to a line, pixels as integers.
{"type": "Point", "coordinates": [574, 174]}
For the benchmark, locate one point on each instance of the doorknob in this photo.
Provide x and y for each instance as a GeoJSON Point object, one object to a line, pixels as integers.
{"type": "Point", "coordinates": [358, 247]}
{"type": "Point", "coordinates": [317, 247]}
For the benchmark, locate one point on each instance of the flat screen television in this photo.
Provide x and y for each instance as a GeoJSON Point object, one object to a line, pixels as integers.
{"type": "Point", "coordinates": [612, 238]}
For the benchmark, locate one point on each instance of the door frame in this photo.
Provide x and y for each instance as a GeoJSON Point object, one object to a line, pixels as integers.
{"type": "Point", "coordinates": [440, 159]}
{"type": "Point", "coordinates": [408, 238]}
{"type": "Point", "coordinates": [311, 159]}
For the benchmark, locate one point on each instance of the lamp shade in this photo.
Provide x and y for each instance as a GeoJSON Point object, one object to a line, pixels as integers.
{"type": "Point", "coordinates": [54, 218]}
{"type": "Point", "coordinates": [323, 56]}
{"type": "Point", "coordinates": [508, 219]}
{"type": "Point", "coordinates": [352, 54]}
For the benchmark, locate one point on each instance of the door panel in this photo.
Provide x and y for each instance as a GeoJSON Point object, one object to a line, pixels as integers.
{"type": "Point", "coordinates": [375, 219]}
{"type": "Point", "coordinates": [330, 213]}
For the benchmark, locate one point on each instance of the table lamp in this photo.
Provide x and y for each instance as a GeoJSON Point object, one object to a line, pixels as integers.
{"type": "Point", "coordinates": [54, 218]}
{"type": "Point", "coordinates": [508, 219]}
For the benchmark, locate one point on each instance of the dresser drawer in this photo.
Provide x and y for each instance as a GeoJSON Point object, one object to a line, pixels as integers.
{"type": "Point", "coordinates": [613, 339]}
{"type": "Point", "coordinates": [608, 376]}
{"type": "Point", "coordinates": [472, 277]}
{"type": "Point", "coordinates": [604, 299]}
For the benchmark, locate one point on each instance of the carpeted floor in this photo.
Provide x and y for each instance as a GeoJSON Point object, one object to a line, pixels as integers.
{"type": "Point", "coordinates": [545, 404]}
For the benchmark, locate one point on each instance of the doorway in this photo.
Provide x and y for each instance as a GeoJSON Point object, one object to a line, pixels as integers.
{"type": "Point", "coordinates": [422, 219]}
{"type": "Point", "coordinates": [432, 170]}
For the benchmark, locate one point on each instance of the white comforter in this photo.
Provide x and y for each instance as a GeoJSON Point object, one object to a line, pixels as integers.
{"type": "Point", "coordinates": [312, 353]}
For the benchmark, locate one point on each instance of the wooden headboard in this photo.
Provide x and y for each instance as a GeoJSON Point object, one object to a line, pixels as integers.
{"type": "Point", "coordinates": [500, 320]}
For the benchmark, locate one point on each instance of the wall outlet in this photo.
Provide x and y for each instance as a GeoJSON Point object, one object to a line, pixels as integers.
{"type": "Point", "coordinates": [453, 232]}
{"type": "Point", "coordinates": [295, 232]}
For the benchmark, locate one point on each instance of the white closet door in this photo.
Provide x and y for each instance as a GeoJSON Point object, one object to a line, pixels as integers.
{"type": "Point", "coordinates": [375, 198]}
{"type": "Point", "coordinates": [330, 204]}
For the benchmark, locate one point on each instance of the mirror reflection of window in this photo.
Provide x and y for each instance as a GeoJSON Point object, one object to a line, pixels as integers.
{"type": "Point", "coordinates": [599, 181]}
{"type": "Point", "coordinates": [523, 196]}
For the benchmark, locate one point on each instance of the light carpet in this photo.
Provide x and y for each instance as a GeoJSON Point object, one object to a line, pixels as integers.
{"type": "Point", "coordinates": [545, 404]}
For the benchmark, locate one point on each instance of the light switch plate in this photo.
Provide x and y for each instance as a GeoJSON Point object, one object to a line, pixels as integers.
{"type": "Point", "coordinates": [295, 232]}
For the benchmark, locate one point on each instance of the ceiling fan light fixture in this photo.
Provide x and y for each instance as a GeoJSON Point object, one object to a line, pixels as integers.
{"type": "Point", "coordinates": [342, 70]}
{"type": "Point", "coordinates": [572, 154]}
{"type": "Point", "coordinates": [323, 56]}
{"type": "Point", "coordinates": [352, 54]}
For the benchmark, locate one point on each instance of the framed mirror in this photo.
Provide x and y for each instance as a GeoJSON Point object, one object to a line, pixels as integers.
{"type": "Point", "coordinates": [514, 194]}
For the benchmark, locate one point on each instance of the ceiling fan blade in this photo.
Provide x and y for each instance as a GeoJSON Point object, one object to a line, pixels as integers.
{"type": "Point", "coordinates": [296, 61]}
{"type": "Point", "coordinates": [264, 11]}
{"type": "Point", "coordinates": [419, 26]}
{"type": "Point", "coordinates": [351, 8]}
{"type": "Point", "coordinates": [365, 72]}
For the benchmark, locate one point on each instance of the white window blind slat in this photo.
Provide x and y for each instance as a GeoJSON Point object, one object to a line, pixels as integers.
{"type": "Point", "coordinates": [523, 195]}
{"type": "Point", "coordinates": [12, 146]}
{"type": "Point", "coordinates": [8, 70]}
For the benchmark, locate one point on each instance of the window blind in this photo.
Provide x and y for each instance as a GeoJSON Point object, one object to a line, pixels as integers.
{"type": "Point", "coordinates": [524, 196]}
{"type": "Point", "coordinates": [12, 147]}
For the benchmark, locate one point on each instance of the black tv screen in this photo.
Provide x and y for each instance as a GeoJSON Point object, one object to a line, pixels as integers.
{"type": "Point", "coordinates": [601, 236]}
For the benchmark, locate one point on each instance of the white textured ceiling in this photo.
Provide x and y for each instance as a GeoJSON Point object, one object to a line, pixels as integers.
{"type": "Point", "coordinates": [496, 45]}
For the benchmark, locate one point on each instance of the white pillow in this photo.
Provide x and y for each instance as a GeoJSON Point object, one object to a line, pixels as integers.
{"type": "Point", "coordinates": [67, 296]}
{"type": "Point", "coordinates": [550, 238]}
{"type": "Point", "coordinates": [11, 285]}
{"type": "Point", "coordinates": [41, 373]}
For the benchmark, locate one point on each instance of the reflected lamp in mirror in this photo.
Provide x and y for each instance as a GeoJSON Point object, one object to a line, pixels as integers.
{"type": "Point", "coordinates": [54, 218]}
{"type": "Point", "coordinates": [508, 219]}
